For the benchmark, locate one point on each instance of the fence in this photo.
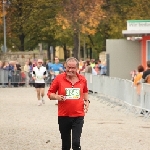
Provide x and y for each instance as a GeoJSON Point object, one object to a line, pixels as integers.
{"type": "Point", "coordinates": [18, 78]}
{"type": "Point", "coordinates": [109, 89]}
{"type": "Point", "coordinates": [12, 78]}
{"type": "Point", "coordinates": [122, 92]}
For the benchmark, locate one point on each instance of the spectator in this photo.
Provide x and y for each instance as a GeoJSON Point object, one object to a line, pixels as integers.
{"type": "Point", "coordinates": [92, 63]}
{"type": "Point", "coordinates": [6, 65]}
{"type": "Point", "coordinates": [15, 74]}
{"type": "Point", "coordinates": [26, 71]}
{"type": "Point", "coordinates": [1, 67]}
{"type": "Point", "coordinates": [64, 66]}
{"type": "Point", "coordinates": [6, 68]}
{"type": "Point", "coordinates": [99, 64]}
{"type": "Point", "coordinates": [18, 66]}
{"type": "Point", "coordinates": [11, 71]}
{"type": "Point", "coordinates": [146, 74]}
{"type": "Point", "coordinates": [83, 67]}
{"type": "Point", "coordinates": [137, 79]}
{"type": "Point", "coordinates": [88, 68]}
{"type": "Point", "coordinates": [81, 64]}
{"type": "Point", "coordinates": [96, 68]}
{"type": "Point", "coordinates": [133, 74]}
{"type": "Point", "coordinates": [103, 68]}
{"type": "Point", "coordinates": [1, 64]}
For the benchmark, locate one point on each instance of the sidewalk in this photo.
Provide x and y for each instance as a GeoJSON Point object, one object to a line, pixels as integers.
{"type": "Point", "coordinates": [26, 126]}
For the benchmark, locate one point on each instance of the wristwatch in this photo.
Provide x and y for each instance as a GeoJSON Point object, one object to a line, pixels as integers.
{"type": "Point", "coordinates": [87, 100]}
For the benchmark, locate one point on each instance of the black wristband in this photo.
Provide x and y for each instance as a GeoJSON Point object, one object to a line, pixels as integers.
{"type": "Point", "coordinates": [87, 100]}
{"type": "Point", "coordinates": [44, 73]}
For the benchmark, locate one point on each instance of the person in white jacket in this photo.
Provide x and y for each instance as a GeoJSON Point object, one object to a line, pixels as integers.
{"type": "Point", "coordinates": [39, 74]}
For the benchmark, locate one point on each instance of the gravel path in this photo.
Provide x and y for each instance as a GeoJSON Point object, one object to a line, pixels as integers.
{"type": "Point", "coordinates": [26, 126]}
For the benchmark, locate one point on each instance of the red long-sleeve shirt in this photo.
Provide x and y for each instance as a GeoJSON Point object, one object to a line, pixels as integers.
{"type": "Point", "coordinates": [69, 107]}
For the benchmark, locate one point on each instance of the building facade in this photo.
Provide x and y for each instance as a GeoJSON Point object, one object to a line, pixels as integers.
{"type": "Point", "coordinates": [139, 30]}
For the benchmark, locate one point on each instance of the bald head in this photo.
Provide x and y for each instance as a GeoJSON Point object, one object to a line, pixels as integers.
{"type": "Point", "coordinates": [40, 60]}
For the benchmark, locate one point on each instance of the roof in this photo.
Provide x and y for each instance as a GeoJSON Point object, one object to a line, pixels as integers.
{"type": "Point", "coordinates": [135, 32]}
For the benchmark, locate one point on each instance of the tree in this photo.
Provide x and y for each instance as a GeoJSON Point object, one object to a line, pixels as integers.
{"type": "Point", "coordinates": [28, 18]}
{"type": "Point", "coordinates": [1, 13]}
{"type": "Point", "coordinates": [1, 16]}
{"type": "Point", "coordinates": [118, 12]}
{"type": "Point", "coordinates": [82, 16]}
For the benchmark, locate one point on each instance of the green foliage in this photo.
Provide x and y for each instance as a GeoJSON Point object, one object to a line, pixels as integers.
{"type": "Point", "coordinates": [30, 21]}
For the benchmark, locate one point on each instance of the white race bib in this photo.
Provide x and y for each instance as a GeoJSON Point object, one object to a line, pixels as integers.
{"type": "Point", "coordinates": [72, 93]}
{"type": "Point", "coordinates": [39, 77]}
{"type": "Point", "coordinates": [56, 73]}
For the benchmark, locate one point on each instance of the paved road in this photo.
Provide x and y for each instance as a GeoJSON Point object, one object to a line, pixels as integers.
{"type": "Point", "coordinates": [26, 126]}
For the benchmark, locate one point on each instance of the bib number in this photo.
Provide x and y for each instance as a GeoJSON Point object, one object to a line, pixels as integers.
{"type": "Point", "coordinates": [56, 73]}
{"type": "Point", "coordinates": [39, 77]}
{"type": "Point", "coordinates": [72, 93]}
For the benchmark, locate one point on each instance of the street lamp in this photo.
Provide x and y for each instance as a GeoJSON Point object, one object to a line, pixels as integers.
{"type": "Point", "coordinates": [5, 3]}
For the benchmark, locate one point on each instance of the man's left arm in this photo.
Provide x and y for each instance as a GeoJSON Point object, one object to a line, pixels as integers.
{"type": "Point", "coordinates": [45, 74]}
{"type": "Point", "coordinates": [86, 97]}
{"type": "Point", "coordinates": [86, 102]}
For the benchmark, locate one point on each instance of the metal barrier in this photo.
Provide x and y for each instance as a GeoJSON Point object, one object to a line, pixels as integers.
{"type": "Point", "coordinates": [18, 78]}
{"type": "Point", "coordinates": [117, 91]}
{"type": "Point", "coordinates": [12, 78]}
{"type": "Point", "coordinates": [3, 76]}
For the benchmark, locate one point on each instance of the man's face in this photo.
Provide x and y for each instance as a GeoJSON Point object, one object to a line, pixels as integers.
{"type": "Point", "coordinates": [39, 63]}
{"type": "Point", "coordinates": [71, 68]}
{"type": "Point", "coordinates": [56, 60]}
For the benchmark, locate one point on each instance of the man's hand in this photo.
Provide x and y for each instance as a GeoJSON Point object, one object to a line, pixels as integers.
{"type": "Point", "coordinates": [60, 97]}
{"type": "Point", "coordinates": [44, 76]}
{"type": "Point", "coordinates": [34, 78]}
{"type": "Point", "coordinates": [52, 73]}
{"type": "Point", "coordinates": [86, 106]}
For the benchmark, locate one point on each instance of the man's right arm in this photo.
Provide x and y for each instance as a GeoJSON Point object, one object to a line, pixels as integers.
{"type": "Point", "coordinates": [53, 90]}
{"type": "Point", "coordinates": [50, 70]}
{"type": "Point", "coordinates": [33, 74]}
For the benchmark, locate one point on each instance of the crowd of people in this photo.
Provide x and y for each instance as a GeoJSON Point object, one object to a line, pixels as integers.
{"type": "Point", "coordinates": [21, 75]}
{"type": "Point", "coordinates": [15, 73]}
{"type": "Point", "coordinates": [93, 67]}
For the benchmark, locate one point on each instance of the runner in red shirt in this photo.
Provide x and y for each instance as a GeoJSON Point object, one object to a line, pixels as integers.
{"type": "Point", "coordinates": [73, 103]}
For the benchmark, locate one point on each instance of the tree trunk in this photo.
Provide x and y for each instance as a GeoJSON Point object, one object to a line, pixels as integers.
{"type": "Point", "coordinates": [21, 38]}
{"type": "Point", "coordinates": [90, 52]}
{"type": "Point", "coordinates": [65, 52]}
{"type": "Point", "coordinates": [76, 45]}
{"type": "Point", "coordinates": [48, 52]}
{"type": "Point", "coordinates": [87, 52]}
{"type": "Point", "coordinates": [54, 52]}
{"type": "Point", "coordinates": [82, 52]}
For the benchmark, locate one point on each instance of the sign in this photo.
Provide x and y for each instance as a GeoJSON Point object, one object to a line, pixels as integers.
{"type": "Point", "coordinates": [138, 25]}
